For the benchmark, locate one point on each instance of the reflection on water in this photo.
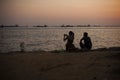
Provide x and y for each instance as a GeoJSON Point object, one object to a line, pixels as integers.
{"type": "Point", "coordinates": [52, 38]}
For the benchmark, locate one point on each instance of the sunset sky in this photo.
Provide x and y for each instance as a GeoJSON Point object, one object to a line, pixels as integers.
{"type": "Point", "coordinates": [57, 12]}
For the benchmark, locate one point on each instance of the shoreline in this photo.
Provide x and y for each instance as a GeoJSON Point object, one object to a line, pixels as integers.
{"type": "Point", "coordinates": [63, 51]}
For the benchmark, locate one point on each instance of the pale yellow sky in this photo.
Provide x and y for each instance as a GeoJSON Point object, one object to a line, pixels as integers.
{"type": "Point", "coordinates": [60, 12]}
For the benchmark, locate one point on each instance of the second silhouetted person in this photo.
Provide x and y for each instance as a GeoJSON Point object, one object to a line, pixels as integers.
{"type": "Point", "coordinates": [85, 42]}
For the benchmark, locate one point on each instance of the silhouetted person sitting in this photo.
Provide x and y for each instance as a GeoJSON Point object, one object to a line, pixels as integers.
{"type": "Point", "coordinates": [70, 38]}
{"type": "Point", "coordinates": [85, 42]}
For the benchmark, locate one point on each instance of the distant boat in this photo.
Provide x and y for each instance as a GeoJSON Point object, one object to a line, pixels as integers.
{"type": "Point", "coordinates": [67, 26]}
{"type": "Point", "coordinates": [2, 26]}
{"type": "Point", "coordinates": [40, 26]}
{"type": "Point", "coordinates": [84, 25]}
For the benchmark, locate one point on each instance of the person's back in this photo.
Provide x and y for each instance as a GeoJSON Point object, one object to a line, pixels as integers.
{"type": "Point", "coordinates": [85, 42]}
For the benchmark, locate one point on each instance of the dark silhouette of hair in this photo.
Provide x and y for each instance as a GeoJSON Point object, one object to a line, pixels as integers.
{"type": "Point", "coordinates": [85, 34]}
{"type": "Point", "coordinates": [85, 42]}
{"type": "Point", "coordinates": [71, 33]}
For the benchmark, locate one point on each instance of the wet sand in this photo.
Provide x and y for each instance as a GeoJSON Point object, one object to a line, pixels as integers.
{"type": "Point", "coordinates": [100, 64]}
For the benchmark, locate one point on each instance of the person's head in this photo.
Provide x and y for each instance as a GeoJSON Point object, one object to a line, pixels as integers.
{"type": "Point", "coordinates": [85, 34]}
{"type": "Point", "coordinates": [71, 33]}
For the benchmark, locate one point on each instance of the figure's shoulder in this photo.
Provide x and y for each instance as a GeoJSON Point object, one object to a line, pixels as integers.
{"type": "Point", "coordinates": [89, 38]}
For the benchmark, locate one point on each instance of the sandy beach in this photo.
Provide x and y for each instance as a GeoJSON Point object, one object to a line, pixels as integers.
{"type": "Point", "coordinates": [100, 64]}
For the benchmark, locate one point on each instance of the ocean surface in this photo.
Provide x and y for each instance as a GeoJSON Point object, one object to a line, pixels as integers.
{"type": "Point", "coordinates": [51, 38]}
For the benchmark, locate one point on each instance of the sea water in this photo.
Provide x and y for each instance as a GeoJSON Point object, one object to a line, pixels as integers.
{"type": "Point", "coordinates": [51, 38]}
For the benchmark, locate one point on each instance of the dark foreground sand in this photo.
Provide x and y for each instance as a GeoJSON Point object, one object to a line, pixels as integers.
{"type": "Point", "coordinates": [91, 65]}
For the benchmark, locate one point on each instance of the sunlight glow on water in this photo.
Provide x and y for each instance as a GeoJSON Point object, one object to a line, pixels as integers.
{"type": "Point", "coordinates": [51, 38]}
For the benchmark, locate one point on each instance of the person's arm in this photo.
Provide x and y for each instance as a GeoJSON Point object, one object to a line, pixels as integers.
{"type": "Point", "coordinates": [65, 37]}
{"type": "Point", "coordinates": [81, 40]}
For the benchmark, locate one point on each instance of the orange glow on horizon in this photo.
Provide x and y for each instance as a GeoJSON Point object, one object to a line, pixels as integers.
{"type": "Point", "coordinates": [64, 11]}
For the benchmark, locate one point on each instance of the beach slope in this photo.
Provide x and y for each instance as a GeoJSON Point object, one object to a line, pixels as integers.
{"type": "Point", "coordinates": [98, 64]}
